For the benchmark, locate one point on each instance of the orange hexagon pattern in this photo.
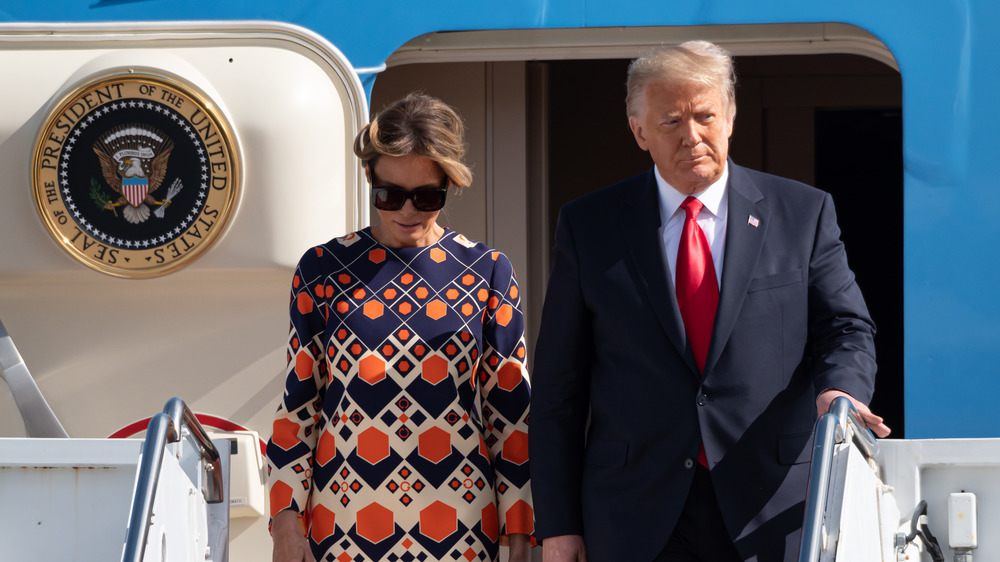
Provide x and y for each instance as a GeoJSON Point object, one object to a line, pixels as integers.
{"type": "Point", "coordinates": [305, 303]}
{"type": "Point", "coordinates": [435, 369]}
{"type": "Point", "coordinates": [435, 444]}
{"type": "Point", "coordinates": [373, 309]}
{"type": "Point", "coordinates": [509, 376]}
{"type": "Point", "coordinates": [436, 309]}
{"type": "Point", "coordinates": [323, 521]}
{"type": "Point", "coordinates": [326, 450]}
{"type": "Point", "coordinates": [375, 522]}
{"type": "Point", "coordinates": [280, 496]}
{"type": "Point", "coordinates": [438, 520]}
{"type": "Point", "coordinates": [286, 433]}
{"type": "Point", "coordinates": [520, 518]}
{"type": "Point", "coordinates": [373, 445]}
{"type": "Point", "coordinates": [515, 448]}
{"type": "Point", "coordinates": [505, 314]}
{"type": "Point", "coordinates": [303, 365]}
{"type": "Point", "coordinates": [371, 369]}
{"type": "Point", "coordinates": [489, 522]}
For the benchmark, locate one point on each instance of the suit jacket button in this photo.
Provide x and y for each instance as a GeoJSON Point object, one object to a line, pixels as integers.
{"type": "Point", "coordinates": [702, 399]}
{"type": "Point", "coordinates": [688, 463]}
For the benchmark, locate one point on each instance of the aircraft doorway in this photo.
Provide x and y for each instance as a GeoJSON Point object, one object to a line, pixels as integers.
{"type": "Point", "coordinates": [542, 132]}
{"type": "Point", "coordinates": [832, 121]}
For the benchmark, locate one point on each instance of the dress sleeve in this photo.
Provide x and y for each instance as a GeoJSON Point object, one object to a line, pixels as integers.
{"type": "Point", "coordinates": [293, 438]}
{"type": "Point", "coordinates": [505, 397]}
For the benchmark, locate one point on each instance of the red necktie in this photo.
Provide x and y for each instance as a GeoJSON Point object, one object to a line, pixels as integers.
{"type": "Point", "coordinates": [697, 288]}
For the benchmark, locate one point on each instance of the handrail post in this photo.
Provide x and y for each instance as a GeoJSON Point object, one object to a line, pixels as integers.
{"type": "Point", "coordinates": [161, 431]}
{"type": "Point", "coordinates": [183, 418]}
{"type": "Point", "coordinates": [832, 428]}
{"type": "Point", "coordinates": [164, 428]}
{"type": "Point", "coordinates": [39, 419]}
{"type": "Point", "coordinates": [819, 484]}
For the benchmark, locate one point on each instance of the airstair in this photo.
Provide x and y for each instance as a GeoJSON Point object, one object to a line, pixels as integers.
{"type": "Point", "coordinates": [898, 500]}
{"type": "Point", "coordinates": [164, 498]}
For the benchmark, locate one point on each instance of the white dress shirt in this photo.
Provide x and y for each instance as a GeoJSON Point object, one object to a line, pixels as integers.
{"type": "Point", "coordinates": [711, 219]}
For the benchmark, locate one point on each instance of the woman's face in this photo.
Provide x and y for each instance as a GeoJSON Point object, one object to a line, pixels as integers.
{"type": "Point", "coordinates": [407, 227]}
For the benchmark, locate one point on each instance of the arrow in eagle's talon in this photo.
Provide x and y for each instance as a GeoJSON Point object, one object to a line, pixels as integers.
{"type": "Point", "coordinates": [175, 188]}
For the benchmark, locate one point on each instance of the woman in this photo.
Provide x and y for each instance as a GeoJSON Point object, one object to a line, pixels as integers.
{"type": "Point", "coordinates": [402, 431]}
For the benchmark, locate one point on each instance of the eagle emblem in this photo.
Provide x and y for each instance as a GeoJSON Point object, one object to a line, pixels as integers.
{"type": "Point", "coordinates": [134, 164]}
{"type": "Point", "coordinates": [136, 175]}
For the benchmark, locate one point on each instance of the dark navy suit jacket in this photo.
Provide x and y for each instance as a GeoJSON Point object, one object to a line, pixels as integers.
{"type": "Point", "coordinates": [618, 407]}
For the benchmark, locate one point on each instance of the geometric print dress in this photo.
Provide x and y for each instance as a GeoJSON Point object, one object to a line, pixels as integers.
{"type": "Point", "coordinates": [402, 430]}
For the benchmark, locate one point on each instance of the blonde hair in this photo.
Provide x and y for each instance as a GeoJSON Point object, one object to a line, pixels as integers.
{"type": "Point", "coordinates": [697, 62]}
{"type": "Point", "coordinates": [417, 124]}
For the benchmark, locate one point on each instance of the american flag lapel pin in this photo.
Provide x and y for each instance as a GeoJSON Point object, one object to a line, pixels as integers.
{"type": "Point", "coordinates": [753, 221]}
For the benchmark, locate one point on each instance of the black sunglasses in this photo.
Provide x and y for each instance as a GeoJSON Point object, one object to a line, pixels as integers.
{"type": "Point", "coordinates": [392, 197]}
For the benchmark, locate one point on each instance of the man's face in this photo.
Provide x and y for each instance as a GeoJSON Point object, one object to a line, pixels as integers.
{"type": "Point", "coordinates": [686, 129]}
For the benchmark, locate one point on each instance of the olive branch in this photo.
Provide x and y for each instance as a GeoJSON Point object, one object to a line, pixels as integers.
{"type": "Point", "coordinates": [100, 198]}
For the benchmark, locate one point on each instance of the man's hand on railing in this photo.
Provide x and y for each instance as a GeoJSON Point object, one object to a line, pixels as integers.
{"type": "Point", "coordinates": [870, 420]}
{"type": "Point", "coordinates": [564, 548]}
{"type": "Point", "coordinates": [290, 545]}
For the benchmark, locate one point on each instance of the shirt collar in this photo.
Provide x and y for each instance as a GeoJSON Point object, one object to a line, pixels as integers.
{"type": "Point", "coordinates": [711, 197]}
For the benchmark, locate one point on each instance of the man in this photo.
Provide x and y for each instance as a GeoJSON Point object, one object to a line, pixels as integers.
{"type": "Point", "coordinates": [699, 317]}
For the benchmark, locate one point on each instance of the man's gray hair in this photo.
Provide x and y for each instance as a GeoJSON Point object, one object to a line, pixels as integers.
{"type": "Point", "coordinates": [697, 62]}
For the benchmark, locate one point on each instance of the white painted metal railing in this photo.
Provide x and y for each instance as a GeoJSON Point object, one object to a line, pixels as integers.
{"type": "Point", "coordinates": [39, 420]}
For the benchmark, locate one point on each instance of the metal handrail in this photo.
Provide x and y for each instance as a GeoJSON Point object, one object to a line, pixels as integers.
{"type": "Point", "coordinates": [864, 439]}
{"type": "Point", "coordinates": [164, 428]}
{"type": "Point", "coordinates": [832, 429]}
{"type": "Point", "coordinates": [160, 432]}
{"type": "Point", "coordinates": [182, 417]}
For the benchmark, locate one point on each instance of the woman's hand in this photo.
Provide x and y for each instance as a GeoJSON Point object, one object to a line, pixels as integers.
{"type": "Point", "coordinates": [289, 543]}
{"type": "Point", "coordinates": [520, 547]}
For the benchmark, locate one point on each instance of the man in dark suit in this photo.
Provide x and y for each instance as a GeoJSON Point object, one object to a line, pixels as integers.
{"type": "Point", "coordinates": [699, 317]}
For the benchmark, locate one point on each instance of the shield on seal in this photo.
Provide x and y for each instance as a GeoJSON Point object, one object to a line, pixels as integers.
{"type": "Point", "coordinates": [134, 190]}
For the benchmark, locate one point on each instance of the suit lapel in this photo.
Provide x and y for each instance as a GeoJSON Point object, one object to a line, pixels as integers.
{"type": "Point", "coordinates": [743, 246]}
{"type": "Point", "coordinates": [641, 226]}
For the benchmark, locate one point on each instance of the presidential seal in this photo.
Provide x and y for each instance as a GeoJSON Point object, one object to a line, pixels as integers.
{"type": "Point", "coordinates": [135, 175]}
